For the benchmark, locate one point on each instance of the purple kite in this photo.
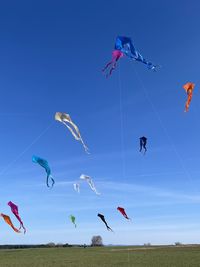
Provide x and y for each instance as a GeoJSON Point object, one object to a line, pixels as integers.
{"type": "Point", "coordinates": [14, 210]}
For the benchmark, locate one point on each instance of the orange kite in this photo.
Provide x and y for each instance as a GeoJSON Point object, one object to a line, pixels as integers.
{"type": "Point", "coordinates": [189, 87]}
{"type": "Point", "coordinates": [9, 222]}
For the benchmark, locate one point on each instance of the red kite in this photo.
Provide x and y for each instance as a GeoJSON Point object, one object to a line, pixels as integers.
{"type": "Point", "coordinates": [189, 87]}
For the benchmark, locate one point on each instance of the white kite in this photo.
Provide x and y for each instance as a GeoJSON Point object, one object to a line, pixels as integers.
{"type": "Point", "coordinates": [88, 179]}
{"type": "Point", "coordinates": [65, 118]}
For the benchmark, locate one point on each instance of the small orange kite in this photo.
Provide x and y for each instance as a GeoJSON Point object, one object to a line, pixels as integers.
{"type": "Point", "coordinates": [9, 222]}
{"type": "Point", "coordinates": [189, 87]}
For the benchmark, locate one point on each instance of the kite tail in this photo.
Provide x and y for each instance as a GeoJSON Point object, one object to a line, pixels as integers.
{"type": "Point", "coordinates": [22, 226]}
{"type": "Point", "coordinates": [77, 137]}
{"type": "Point", "coordinates": [47, 181]}
{"type": "Point", "coordinates": [77, 187]}
{"type": "Point", "coordinates": [109, 229]}
{"type": "Point", "coordinates": [111, 70]}
{"type": "Point", "coordinates": [140, 147]}
{"type": "Point", "coordinates": [21, 223]}
{"type": "Point", "coordinates": [97, 193]}
{"type": "Point", "coordinates": [107, 65]}
{"type": "Point", "coordinates": [84, 146]}
{"type": "Point", "coordinates": [24, 229]}
{"type": "Point", "coordinates": [151, 66]}
{"type": "Point", "coordinates": [186, 108]}
{"type": "Point", "coordinates": [142, 151]}
{"type": "Point", "coordinates": [188, 103]}
{"type": "Point", "coordinates": [91, 184]}
{"type": "Point", "coordinates": [125, 216]}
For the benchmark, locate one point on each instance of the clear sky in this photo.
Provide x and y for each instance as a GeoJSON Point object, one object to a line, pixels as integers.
{"type": "Point", "coordinates": [51, 56]}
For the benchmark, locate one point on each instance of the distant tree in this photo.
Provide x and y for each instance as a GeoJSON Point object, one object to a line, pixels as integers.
{"type": "Point", "coordinates": [97, 241]}
{"type": "Point", "coordinates": [51, 245]}
{"type": "Point", "coordinates": [147, 244]}
{"type": "Point", "coordinates": [59, 245]}
{"type": "Point", "coordinates": [178, 244]}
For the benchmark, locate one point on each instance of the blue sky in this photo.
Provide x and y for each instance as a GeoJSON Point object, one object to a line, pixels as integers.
{"type": "Point", "coordinates": [52, 53]}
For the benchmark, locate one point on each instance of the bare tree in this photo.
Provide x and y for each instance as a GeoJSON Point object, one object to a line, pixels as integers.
{"type": "Point", "coordinates": [51, 244]}
{"type": "Point", "coordinates": [96, 241]}
{"type": "Point", "coordinates": [178, 244]}
{"type": "Point", "coordinates": [147, 244]}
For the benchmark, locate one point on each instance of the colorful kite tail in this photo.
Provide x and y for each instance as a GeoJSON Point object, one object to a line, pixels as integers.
{"type": "Point", "coordinates": [111, 70]}
{"type": "Point", "coordinates": [187, 104]}
{"type": "Point", "coordinates": [107, 65]}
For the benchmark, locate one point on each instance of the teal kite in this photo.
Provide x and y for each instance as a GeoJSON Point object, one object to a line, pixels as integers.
{"type": "Point", "coordinates": [44, 163]}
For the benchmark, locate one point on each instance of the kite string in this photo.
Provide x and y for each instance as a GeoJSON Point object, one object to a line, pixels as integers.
{"type": "Point", "coordinates": [122, 138]}
{"type": "Point", "coordinates": [26, 149]}
{"type": "Point", "coordinates": [121, 125]}
{"type": "Point", "coordinates": [162, 125]}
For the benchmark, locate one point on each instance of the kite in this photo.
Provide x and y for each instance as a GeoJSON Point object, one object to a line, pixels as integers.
{"type": "Point", "coordinates": [14, 210]}
{"type": "Point", "coordinates": [77, 187]}
{"type": "Point", "coordinates": [88, 179]}
{"type": "Point", "coordinates": [73, 219]}
{"type": "Point", "coordinates": [124, 45]}
{"type": "Point", "coordinates": [103, 219]}
{"type": "Point", "coordinates": [122, 210]}
{"type": "Point", "coordinates": [9, 222]}
{"type": "Point", "coordinates": [189, 87]}
{"type": "Point", "coordinates": [143, 142]}
{"type": "Point", "coordinates": [65, 118]}
{"type": "Point", "coordinates": [44, 164]}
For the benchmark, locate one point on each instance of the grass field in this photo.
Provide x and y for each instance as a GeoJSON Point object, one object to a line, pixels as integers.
{"type": "Point", "coordinates": [102, 257]}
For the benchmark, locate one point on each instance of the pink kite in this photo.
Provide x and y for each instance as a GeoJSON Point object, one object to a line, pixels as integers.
{"type": "Point", "coordinates": [14, 210]}
{"type": "Point", "coordinates": [122, 210]}
{"type": "Point", "coordinates": [116, 55]}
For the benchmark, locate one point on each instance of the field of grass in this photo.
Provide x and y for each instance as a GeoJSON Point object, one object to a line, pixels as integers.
{"type": "Point", "coordinates": [102, 257]}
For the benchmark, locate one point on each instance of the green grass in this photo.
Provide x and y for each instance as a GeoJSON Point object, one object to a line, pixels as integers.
{"type": "Point", "coordinates": [102, 257]}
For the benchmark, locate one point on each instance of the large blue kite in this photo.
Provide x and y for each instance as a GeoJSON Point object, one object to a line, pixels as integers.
{"type": "Point", "coordinates": [124, 46]}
